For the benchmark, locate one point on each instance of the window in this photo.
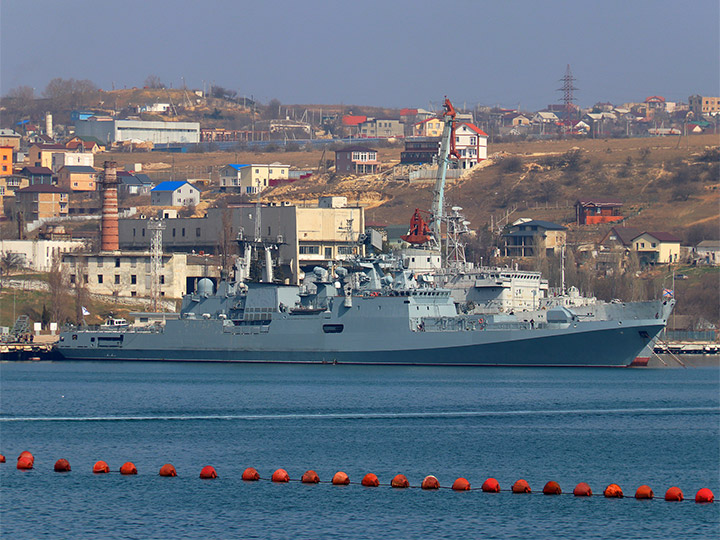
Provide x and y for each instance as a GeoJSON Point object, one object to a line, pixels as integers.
{"type": "Point", "coordinates": [100, 278]}
{"type": "Point", "coordinates": [100, 262]}
{"type": "Point", "coordinates": [117, 279]}
{"type": "Point", "coordinates": [143, 232]}
{"type": "Point", "coordinates": [173, 233]}
{"type": "Point", "coordinates": [133, 279]}
{"type": "Point", "coordinates": [197, 232]}
{"type": "Point", "coordinates": [117, 262]}
{"type": "Point", "coordinates": [328, 253]}
{"type": "Point", "coordinates": [309, 250]}
{"type": "Point", "coordinates": [134, 233]}
{"type": "Point", "coordinates": [72, 278]}
{"type": "Point", "coordinates": [162, 280]}
{"type": "Point", "coordinates": [182, 232]}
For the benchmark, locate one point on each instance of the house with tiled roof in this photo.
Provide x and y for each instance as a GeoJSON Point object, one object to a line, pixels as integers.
{"type": "Point", "coordinates": [591, 211]}
{"type": "Point", "coordinates": [40, 154]}
{"type": "Point", "coordinates": [175, 193]}
{"type": "Point", "coordinates": [77, 178]}
{"type": "Point", "coordinates": [657, 247]}
{"type": "Point", "coordinates": [430, 127]}
{"type": "Point", "coordinates": [526, 237]}
{"type": "Point", "coordinates": [41, 201]}
{"type": "Point", "coordinates": [37, 175]}
{"type": "Point", "coordinates": [133, 183]}
{"type": "Point", "coordinates": [471, 144]}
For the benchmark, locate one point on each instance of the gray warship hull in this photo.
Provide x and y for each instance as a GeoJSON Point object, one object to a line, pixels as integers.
{"type": "Point", "coordinates": [387, 330]}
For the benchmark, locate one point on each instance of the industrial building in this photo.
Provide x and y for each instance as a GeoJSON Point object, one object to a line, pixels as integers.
{"type": "Point", "coordinates": [300, 236]}
{"type": "Point", "coordinates": [109, 130]}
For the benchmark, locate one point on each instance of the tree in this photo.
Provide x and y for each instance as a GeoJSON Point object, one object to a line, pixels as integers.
{"type": "Point", "coordinates": [153, 81]}
{"type": "Point", "coordinates": [81, 292]}
{"type": "Point", "coordinates": [70, 94]}
{"type": "Point", "coordinates": [58, 291]}
{"type": "Point", "coordinates": [9, 262]}
{"type": "Point", "coordinates": [227, 243]}
{"type": "Point", "coordinates": [272, 111]}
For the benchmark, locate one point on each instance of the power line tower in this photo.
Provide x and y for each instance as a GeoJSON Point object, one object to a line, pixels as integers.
{"type": "Point", "coordinates": [568, 97]}
{"type": "Point", "coordinates": [156, 226]}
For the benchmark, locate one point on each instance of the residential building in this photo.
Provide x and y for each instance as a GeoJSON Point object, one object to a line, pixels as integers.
{"type": "Point", "coordinates": [78, 178]}
{"type": "Point", "coordinates": [70, 158]}
{"type": "Point", "coordinates": [709, 252]}
{"type": "Point", "coordinates": [431, 127]}
{"type": "Point", "coordinates": [304, 236]}
{"type": "Point", "coordinates": [8, 186]}
{"type": "Point", "coordinates": [594, 211]}
{"type": "Point", "coordinates": [130, 184]}
{"type": "Point", "coordinates": [380, 128]}
{"type": "Point", "coordinates": [252, 178]}
{"type": "Point", "coordinates": [356, 160]}
{"type": "Point", "coordinates": [39, 255]}
{"type": "Point", "coordinates": [109, 130]}
{"type": "Point", "coordinates": [471, 145]}
{"type": "Point", "coordinates": [420, 150]}
{"type": "Point", "coordinates": [37, 175]}
{"type": "Point", "coordinates": [619, 238]}
{"type": "Point", "coordinates": [657, 247]}
{"type": "Point", "coordinates": [702, 105]}
{"type": "Point", "coordinates": [41, 201]}
{"type": "Point", "coordinates": [86, 144]}
{"type": "Point", "coordinates": [174, 193]}
{"type": "Point", "coordinates": [9, 138]}
{"type": "Point", "coordinates": [526, 236]}
{"type": "Point", "coordinates": [41, 155]}
{"type": "Point", "coordinates": [545, 117]}
{"type": "Point", "coordinates": [6, 160]}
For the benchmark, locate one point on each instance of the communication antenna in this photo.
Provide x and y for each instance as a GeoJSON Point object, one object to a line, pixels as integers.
{"type": "Point", "coordinates": [156, 226]}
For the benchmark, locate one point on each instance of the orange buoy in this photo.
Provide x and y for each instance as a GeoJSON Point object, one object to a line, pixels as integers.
{"type": "Point", "coordinates": [26, 454]}
{"type": "Point", "coordinates": [280, 475]}
{"type": "Point", "coordinates": [704, 496]}
{"type": "Point", "coordinates": [430, 482]}
{"type": "Point", "coordinates": [613, 491]}
{"type": "Point", "coordinates": [491, 486]}
{"type": "Point", "coordinates": [250, 475]}
{"type": "Point", "coordinates": [128, 468]}
{"type": "Point", "coordinates": [340, 479]}
{"type": "Point", "coordinates": [168, 470]}
{"type": "Point", "coordinates": [370, 480]}
{"type": "Point", "coordinates": [644, 492]}
{"type": "Point", "coordinates": [310, 477]}
{"type": "Point", "coordinates": [208, 472]}
{"type": "Point", "coordinates": [101, 467]}
{"type": "Point", "coordinates": [2, 458]}
{"type": "Point", "coordinates": [25, 463]}
{"type": "Point", "coordinates": [521, 486]}
{"type": "Point", "coordinates": [400, 481]}
{"type": "Point", "coordinates": [674, 494]}
{"type": "Point", "coordinates": [62, 465]}
{"type": "Point", "coordinates": [582, 490]}
{"type": "Point", "coordinates": [552, 488]}
{"type": "Point", "coordinates": [461, 484]}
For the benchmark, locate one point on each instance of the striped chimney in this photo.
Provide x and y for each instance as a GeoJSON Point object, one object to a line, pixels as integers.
{"type": "Point", "coordinates": [109, 238]}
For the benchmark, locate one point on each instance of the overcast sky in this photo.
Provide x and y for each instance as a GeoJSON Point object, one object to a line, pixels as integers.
{"type": "Point", "coordinates": [389, 53]}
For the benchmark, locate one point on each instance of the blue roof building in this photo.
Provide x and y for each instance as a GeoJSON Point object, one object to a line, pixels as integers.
{"type": "Point", "coordinates": [174, 193]}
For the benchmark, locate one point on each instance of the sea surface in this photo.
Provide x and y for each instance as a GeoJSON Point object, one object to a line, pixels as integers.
{"type": "Point", "coordinates": [658, 427]}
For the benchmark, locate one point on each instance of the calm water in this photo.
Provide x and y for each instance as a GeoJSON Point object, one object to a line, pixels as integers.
{"type": "Point", "coordinates": [625, 426]}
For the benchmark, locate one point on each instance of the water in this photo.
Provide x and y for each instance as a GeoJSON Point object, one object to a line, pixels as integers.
{"type": "Point", "coordinates": [601, 426]}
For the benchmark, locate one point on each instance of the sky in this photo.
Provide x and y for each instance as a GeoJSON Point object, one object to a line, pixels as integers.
{"type": "Point", "coordinates": [392, 53]}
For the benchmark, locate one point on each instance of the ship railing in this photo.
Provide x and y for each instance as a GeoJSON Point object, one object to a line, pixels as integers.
{"type": "Point", "coordinates": [119, 329]}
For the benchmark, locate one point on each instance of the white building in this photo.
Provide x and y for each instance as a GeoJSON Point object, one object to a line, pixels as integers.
{"type": "Point", "coordinates": [39, 254]}
{"type": "Point", "coordinates": [709, 251]}
{"type": "Point", "coordinates": [252, 178]}
{"type": "Point", "coordinates": [471, 144]}
{"type": "Point", "coordinates": [110, 130]}
{"type": "Point", "coordinates": [174, 193]}
{"type": "Point", "coordinates": [71, 159]}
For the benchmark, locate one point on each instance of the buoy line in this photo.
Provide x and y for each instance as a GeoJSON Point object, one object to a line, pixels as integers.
{"type": "Point", "coordinates": [26, 462]}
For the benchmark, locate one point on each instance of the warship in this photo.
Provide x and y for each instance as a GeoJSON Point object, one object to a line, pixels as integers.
{"type": "Point", "coordinates": [387, 312]}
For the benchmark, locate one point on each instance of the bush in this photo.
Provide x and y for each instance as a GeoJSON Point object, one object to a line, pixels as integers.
{"type": "Point", "coordinates": [511, 164]}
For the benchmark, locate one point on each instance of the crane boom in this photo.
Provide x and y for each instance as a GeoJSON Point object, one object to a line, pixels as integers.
{"type": "Point", "coordinates": [447, 149]}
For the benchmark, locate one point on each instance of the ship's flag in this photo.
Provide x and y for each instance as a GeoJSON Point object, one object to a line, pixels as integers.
{"type": "Point", "coordinates": [668, 293]}
{"type": "Point", "coordinates": [85, 312]}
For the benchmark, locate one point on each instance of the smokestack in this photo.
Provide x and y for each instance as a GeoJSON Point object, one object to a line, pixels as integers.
{"type": "Point", "coordinates": [48, 125]}
{"type": "Point", "coordinates": [109, 238]}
